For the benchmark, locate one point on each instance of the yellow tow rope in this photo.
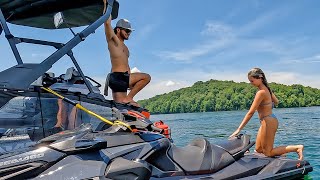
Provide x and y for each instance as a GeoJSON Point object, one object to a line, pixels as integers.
{"type": "Point", "coordinates": [79, 106]}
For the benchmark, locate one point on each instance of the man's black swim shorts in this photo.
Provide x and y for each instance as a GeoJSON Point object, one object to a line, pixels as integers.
{"type": "Point", "coordinates": [119, 81]}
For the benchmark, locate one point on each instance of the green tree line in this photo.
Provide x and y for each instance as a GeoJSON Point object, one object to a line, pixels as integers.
{"type": "Point", "coordinates": [215, 95]}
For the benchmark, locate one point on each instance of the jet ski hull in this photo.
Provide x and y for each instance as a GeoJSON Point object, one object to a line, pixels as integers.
{"type": "Point", "coordinates": [84, 154]}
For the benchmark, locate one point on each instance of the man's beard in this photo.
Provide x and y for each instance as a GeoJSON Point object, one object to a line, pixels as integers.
{"type": "Point", "coordinates": [123, 36]}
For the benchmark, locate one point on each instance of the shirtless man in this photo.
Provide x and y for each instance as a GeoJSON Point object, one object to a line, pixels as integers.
{"type": "Point", "coordinates": [120, 78]}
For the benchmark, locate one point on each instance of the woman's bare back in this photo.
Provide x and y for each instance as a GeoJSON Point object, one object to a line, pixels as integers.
{"type": "Point", "coordinates": [266, 105]}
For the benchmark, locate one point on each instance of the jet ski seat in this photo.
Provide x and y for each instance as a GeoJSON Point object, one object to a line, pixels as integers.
{"type": "Point", "coordinates": [236, 145]}
{"type": "Point", "coordinates": [200, 157]}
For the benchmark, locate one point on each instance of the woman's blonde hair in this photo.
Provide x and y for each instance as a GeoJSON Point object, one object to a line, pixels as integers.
{"type": "Point", "coordinates": [257, 73]}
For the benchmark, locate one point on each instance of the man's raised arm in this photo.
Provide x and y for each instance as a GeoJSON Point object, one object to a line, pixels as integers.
{"type": "Point", "coordinates": [107, 25]}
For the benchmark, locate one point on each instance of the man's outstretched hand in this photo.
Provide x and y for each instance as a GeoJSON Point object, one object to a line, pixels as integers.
{"type": "Point", "coordinates": [105, 6]}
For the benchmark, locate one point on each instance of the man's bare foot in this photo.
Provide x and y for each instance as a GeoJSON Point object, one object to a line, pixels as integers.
{"type": "Point", "coordinates": [300, 152]}
{"type": "Point", "coordinates": [58, 126]}
{"type": "Point", "coordinates": [132, 102]}
{"type": "Point", "coordinates": [129, 101]}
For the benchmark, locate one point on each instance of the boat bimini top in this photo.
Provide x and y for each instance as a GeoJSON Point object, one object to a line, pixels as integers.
{"type": "Point", "coordinates": [40, 13]}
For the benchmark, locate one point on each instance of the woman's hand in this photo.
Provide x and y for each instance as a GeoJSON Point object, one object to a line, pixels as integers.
{"type": "Point", "coordinates": [235, 133]}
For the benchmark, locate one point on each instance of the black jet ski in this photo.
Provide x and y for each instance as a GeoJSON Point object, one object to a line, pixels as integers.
{"type": "Point", "coordinates": [115, 153]}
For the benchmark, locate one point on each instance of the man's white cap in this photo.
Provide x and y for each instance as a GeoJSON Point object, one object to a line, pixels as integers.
{"type": "Point", "coordinates": [124, 23]}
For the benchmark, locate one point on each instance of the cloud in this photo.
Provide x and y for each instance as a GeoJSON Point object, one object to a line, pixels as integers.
{"type": "Point", "coordinates": [143, 33]}
{"type": "Point", "coordinates": [146, 30]}
{"type": "Point", "coordinates": [171, 83]}
{"type": "Point", "coordinates": [259, 22]}
{"type": "Point", "coordinates": [224, 37]}
{"type": "Point", "coordinates": [303, 60]}
{"type": "Point", "coordinates": [160, 87]}
{"type": "Point", "coordinates": [36, 55]}
{"type": "Point", "coordinates": [134, 70]}
{"type": "Point", "coordinates": [187, 55]}
{"type": "Point", "coordinates": [217, 30]}
{"type": "Point", "coordinates": [220, 35]}
{"type": "Point", "coordinates": [289, 78]}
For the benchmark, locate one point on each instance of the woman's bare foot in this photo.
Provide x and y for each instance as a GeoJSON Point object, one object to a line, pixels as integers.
{"type": "Point", "coordinates": [300, 152]}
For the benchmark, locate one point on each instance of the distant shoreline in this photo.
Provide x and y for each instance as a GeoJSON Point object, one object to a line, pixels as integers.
{"type": "Point", "coordinates": [231, 110]}
{"type": "Point", "coordinates": [216, 95]}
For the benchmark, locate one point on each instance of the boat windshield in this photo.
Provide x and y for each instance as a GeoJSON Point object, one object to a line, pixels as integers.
{"type": "Point", "coordinates": [43, 115]}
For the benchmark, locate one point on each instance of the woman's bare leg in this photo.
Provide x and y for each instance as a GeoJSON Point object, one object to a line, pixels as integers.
{"type": "Point", "coordinates": [285, 149]}
{"type": "Point", "coordinates": [271, 125]}
{"type": "Point", "coordinates": [259, 148]}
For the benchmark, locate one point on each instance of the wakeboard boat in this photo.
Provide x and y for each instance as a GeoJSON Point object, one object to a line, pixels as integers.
{"type": "Point", "coordinates": [27, 112]}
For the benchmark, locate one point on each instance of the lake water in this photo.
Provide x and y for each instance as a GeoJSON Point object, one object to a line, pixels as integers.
{"type": "Point", "coordinates": [296, 126]}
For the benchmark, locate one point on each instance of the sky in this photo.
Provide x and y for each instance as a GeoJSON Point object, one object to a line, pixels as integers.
{"type": "Point", "coordinates": [181, 42]}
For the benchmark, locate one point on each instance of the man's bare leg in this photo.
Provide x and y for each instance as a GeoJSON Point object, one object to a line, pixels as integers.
{"type": "Point", "coordinates": [119, 97]}
{"type": "Point", "coordinates": [137, 82]}
{"type": "Point", "coordinates": [72, 118]}
{"type": "Point", "coordinates": [61, 114]}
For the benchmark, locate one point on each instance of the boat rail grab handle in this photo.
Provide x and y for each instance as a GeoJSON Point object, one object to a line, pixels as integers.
{"type": "Point", "coordinates": [97, 23]}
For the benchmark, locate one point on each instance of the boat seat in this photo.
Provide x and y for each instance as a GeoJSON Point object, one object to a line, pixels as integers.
{"type": "Point", "coordinates": [200, 157]}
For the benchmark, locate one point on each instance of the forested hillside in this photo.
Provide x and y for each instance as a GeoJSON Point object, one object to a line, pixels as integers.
{"type": "Point", "coordinates": [217, 95]}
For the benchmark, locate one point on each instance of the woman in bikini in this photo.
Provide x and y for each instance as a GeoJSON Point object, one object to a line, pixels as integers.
{"type": "Point", "coordinates": [263, 103]}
